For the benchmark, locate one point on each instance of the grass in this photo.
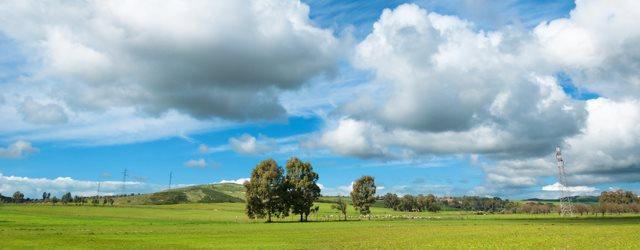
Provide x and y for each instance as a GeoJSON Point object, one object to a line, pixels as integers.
{"type": "Point", "coordinates": [224, 226]}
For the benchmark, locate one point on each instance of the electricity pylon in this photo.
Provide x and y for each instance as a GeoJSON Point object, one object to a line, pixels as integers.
{"type": "Point", "coordinates": [566, 209]}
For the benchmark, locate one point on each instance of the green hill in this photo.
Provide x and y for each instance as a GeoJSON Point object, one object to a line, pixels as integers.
{"type": "Point", "coordinates": [208, 193]}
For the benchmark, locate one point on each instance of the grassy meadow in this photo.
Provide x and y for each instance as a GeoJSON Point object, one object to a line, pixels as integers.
{"type": "Point", "coordinates": [224, 226]}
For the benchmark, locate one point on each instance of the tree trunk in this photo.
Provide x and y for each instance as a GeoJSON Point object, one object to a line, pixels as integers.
{"type": "Point", "coordinates": [306, 216]}
{"type": "Point", "coordinates": [301, 217]}
{"type": "Point", "coordinates": [269, 216]}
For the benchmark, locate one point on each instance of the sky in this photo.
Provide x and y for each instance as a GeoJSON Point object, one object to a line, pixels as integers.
{"type": "Point", "coordinates": [445, 97]}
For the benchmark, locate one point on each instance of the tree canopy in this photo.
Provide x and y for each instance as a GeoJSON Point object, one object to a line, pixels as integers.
{"type": "Point", "coordinates": [363, 194]}
{"type": "Point", "coordinates": [266, 192]}
{"type": "Point", "coordinates": [302, 189]}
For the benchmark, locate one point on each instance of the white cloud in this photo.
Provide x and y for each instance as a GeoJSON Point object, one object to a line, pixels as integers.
{"type": "Point", "coordinates": [199, 163]}
{"type": "Point", "coordinates": [237, 181]}
{"type": "Point", "coordinates": [247, 144]}
{"type": "Point", "coordinates": [34, 187]}
{"type": "Point", "coordinates": [17, 149]}
{"type": "Point", "coordinates": [573, 190]}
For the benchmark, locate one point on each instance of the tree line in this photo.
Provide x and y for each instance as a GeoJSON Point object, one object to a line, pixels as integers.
{"type": "Point", "coordinates": [66, 198]}
{"type": "Point", "coordinates": [410, 203]}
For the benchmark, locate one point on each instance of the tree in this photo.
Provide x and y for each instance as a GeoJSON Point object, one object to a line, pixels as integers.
{"type": "Point", "coordinates": [341, 205]}
{"type": "Point", "coordinates": [618, 197]}
{"type": "Point", "coordinates": [432, 204]}
{"type": "Point", "coordinates": [408, 203]}
{"type": "Point", "coordinates": [54, 200]}
{"type": "Point", "coordinates": [18, 197]}
{"type": "Point", "coordinates": [363, 194]}
{"type": "Point", "coordinates": [391, 201]}
{"type": "Point", "coordinates": [266, 191]}
{"type": "Point", "coordinates": [66, 198]}
{"type": "Point", "coordinates": [302, 187]}
{"type": "Point", "coordinates": [95, 200]}
{"type": "Point", "coordinates": [45, 197]}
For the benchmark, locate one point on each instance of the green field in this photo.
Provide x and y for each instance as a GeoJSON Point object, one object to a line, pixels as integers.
{"type": "Point", "coordinates": [223, 225]}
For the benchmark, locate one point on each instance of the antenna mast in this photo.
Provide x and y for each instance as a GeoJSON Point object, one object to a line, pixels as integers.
{"type": "Point", "coordinates": [565, 199]}
{"type": "Point", "coordinates": [170, 177]}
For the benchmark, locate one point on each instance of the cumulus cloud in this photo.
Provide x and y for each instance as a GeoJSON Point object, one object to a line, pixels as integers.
{"type": "Point", "coordinates": [438, 92]}
{"type": "Point", "coordinates": [224, 60]}
{"type": "Point", "coordinates": [17, 149]}
{"type": "Point", "coordinates": [34, 187]}
{"type": "Point", "coordinates": [199, 163]}
{"type": "Point", "coordinates": [604, 152]}
{"type": "Point", "coordinates": [352, 137]}
{"type": "Point", "coordinates": [237, 181]}
{"type": "Point", "coordinates": [597, 45]}
{"type": "Point", "coordinates": [443, 87]}
{"type": "Point", "coordinates": [247, 144]}
{"type": "Point", "coordinates": [607, 150]}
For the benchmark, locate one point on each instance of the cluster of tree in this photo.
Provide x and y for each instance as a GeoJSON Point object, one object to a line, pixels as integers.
{"type": "Point", "coordinates": [481, 204]}
{"type": "Point", "coordinates": [536, 208]}
{"type": "Point", "coordinates": [409, 203]}
{"type": "Point", "coordinates": [618, 197]}
{"type": "Point", "coordinates": [274, 191]}
{"type": "Point", "coordinates": [270, 192]}
{"type": "Point", "coordinates": [4, 199]}
{"type": "Point", "coordinates": [615, 208]}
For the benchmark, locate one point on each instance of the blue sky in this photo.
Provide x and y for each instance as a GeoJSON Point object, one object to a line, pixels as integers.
{"type": "Point", "coordinates": [443, 97]}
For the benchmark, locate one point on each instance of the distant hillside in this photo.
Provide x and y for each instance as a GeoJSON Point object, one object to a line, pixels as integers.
{"type": "Point", "coordinates": [209, 193]}
{"type": "Point", "coordinates": [580, 199]}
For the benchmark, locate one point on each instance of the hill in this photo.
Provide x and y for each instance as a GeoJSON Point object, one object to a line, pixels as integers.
{"type": "Point", "coordinates": [208, 193]}
{"type": "Point", "coordinates": [579, 199]}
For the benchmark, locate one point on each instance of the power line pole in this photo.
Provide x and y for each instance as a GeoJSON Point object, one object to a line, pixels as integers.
{"type": "Point", "coordinates": [170, 177]}
{"type": "Point", "coordinates": [566, 208]}
{"type": "Point", "coordinates": [124, 180]}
